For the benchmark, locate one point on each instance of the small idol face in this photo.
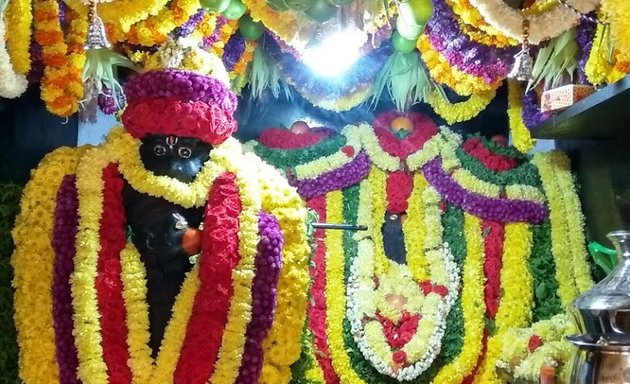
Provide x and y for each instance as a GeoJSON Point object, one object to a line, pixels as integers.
{"type": "Point", "coordinates": [174, 156]}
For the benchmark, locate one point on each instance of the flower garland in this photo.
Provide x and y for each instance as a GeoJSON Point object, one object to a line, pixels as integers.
{"type": "Point", "coordinates": [515, 305]}
{"type": "Point", "coordinates": [525, 350]}
{"type": "Point", "coordinates": [598, 67]}
{"type": "Point", "coordinates": [18, 19]}
{"type": "Point", "coordinates": [531, 113]}
{"type": "Point", "coordinates": [12, 84]}
{"type": "Point", "coordinates": [475, 26]}
{"type": "Point", "coordinates": [120, 15]}
{"type": "Point", "coordinates": [281, 159]}
{"type": "Point", "coordinates": [63, 239]}
{"type": "Point", "coordinates": [520, 134]}
{"type": "Point", "coordinates": [473, 307]}
{"type": "Point", "coordinates": [416, 351]}
{"type": "Point", "coordinates": [460, 111]}
{"type": "Point", "coordinates": [61, 86]}
{"type": "Point", "coordinates": [616, 12]}
{"type": "Point", "coordinates": [567, 244]}
{"type": "Point", "coordinates": [180, 345]}
{"type": "Point", "coordinates": [443, 73]}
{"type": "Point", "coordinates": [320, 90]}
{"type": "Point", "coordinates": [314, 168]}
{"type": "Point", "coordinates": [546, 25]}
{"type": "Point", "coordinates": [33, 263]}
{"type": "Point", "coordinates": [496, 209]}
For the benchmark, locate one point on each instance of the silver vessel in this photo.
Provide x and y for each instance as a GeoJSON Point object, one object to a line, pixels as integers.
{"type": "Point", "coordinates": [602, 316]}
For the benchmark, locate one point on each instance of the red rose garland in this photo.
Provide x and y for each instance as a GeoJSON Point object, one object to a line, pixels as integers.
{"type": "Point", "coordinates": [317, 306]}
{"type": "Point", "coordinates": [219, 256]}
{"type": "Point", "coordinates": [398, 189]}
{"type": "Point", "coordinates": [108, 281]}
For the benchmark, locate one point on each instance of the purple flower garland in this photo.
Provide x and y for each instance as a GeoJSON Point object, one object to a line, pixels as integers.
{"type": "Point", "coordinates": [334, 180]}
{"type": "Point", "coordinates": [233, 50]}
{"type": "Point", "coordinates": [530, 112]}
{"type": "Point", "coordinates": [487, 62]}
{"type": "Point", "coordinates": [189, 26]}
{"type": "Point", "coordinates": [268, 263]}
{"type": "Point", "coordinates": [488, 208]}
{"type": "Point", "coordinates": [584, 37]}
{"type": "Point", "coordinates": [63, 238]}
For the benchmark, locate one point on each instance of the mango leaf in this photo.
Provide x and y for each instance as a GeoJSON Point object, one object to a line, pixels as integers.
{"type": "Point", "coordinates": [554, 61]}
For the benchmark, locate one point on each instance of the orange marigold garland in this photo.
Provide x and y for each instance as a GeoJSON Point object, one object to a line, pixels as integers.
{"type": "Point", "coordinates": [63, 57]}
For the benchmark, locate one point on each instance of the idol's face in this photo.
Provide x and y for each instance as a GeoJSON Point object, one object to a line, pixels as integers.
{"type": "Point", "coordinates": [174, 156]}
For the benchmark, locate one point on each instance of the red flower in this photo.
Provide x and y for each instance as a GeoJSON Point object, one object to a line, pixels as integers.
{"type": "Point", "coordinates": [399, 334]}
{"type": "Point", "coordinates": [398, 189]}
{"type": "Point", "coordinates": [348, 150]}
{"type": "Point", "coordinates": [534, 342]}
{"type": "Point", "coordinates": [426, 287]}
{"type": "Point", "coordinates": [423, 129]}
{"type": "Point", "coordinates": [280, 138]}
{"type": "Point", "coordinates": [400, 357]}
{"type": "Point", "coordinates": [495, 162]}
{"type": "Point", "coordinates": [440, 290]}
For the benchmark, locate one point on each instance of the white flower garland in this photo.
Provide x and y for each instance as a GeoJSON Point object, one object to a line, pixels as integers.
{"type": "Point", "coordinates": [317, 167]}
{"type": "Point", "coordinates": [425, 344]}
{"type": "Point", "coordinates": [12, 85]}
{"type": "Point", "coordinates": [543, 26]}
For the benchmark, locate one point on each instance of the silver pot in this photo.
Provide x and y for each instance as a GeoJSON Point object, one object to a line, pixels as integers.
{"type": "Point", "coordinates": [601, 359]}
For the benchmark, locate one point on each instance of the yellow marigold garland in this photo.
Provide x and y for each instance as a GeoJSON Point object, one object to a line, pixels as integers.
{"type": "Point", "coordinates": [378, 181]}
{"type": "Point", "coordinates": [516, 295]}
{"type": "Point", "coordinates": [443, 73]}
{"type": "Point", "coordinates": [336, 292]}
{"type": "Point", "coordinates": [462, 111]}
{"type": "Point", "coordinates": [33, 261]}
{"type": "Point", "coordinates": [415, 223]}
{"type": "Point", "coordinates": [617, 12]}
{"type": "Point", "coordinates": [281, 347]}
{"type": "Point", "coordinates": [120, 15]}
{"type": "Point", "coordinates": [282, 24]}
{"type": "Point", "coordinates": [598, 69]}
{"type": "Point", "coordinates": [521, 137]}
{"type": "Point", "coordinates": [91, 367]}
{"type": "Point", "coordinates": [18, 18]}
{"type": "Point", "coordinates": [472, 304]}
{"type": "Point", "coordinates": [567, 246]}
{"type": "Point", "coordinates": [155, 29]}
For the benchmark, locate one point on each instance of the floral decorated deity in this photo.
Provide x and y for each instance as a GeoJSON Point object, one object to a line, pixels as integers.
{"type": "Point", "coordinates": [163, 255]}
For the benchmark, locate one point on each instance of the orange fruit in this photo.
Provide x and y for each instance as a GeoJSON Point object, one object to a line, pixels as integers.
{"type": "Point", "coordinates": [401, 123]}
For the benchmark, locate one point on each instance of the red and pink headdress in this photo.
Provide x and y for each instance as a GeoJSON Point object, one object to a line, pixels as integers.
{"type": "Point", "coordinates": [181, 103]}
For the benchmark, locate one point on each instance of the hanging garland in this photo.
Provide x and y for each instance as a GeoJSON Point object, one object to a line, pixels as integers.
{"type": "Point", "coordinates": [616, 13]}
{"type": "Point", "coordinates": [63, 57]}
{"type": "Point", "coordinates": [443, 73]}
{"type": "Point", "coordinates": [520, 134]}
{"type": "Point", "coordinates": [18, 18]}
{"type": "Point", "coordinates": [543, 26]}
{"type": "Point", "coordinates": [12, 84]}
{"type": "Point", "coordinates": [460, 111]}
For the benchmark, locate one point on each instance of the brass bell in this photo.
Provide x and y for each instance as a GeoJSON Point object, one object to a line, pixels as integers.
{"type": "Point", "coordinates": [523, 65]}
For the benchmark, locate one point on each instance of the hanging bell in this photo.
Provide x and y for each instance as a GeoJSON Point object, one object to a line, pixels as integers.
{"type": "Point", "coordinates": [96, 37]}
{"type": "Point", "coordinates": [523, 65]}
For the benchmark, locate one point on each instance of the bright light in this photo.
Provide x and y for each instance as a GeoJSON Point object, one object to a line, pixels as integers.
{"type": "Point", "coordinates": [335, 53]}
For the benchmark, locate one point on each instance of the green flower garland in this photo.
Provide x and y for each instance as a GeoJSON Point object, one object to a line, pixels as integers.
{"type": "Point", "coordinates": [543, 269]}
{"type": "Point", "coordinates": [281, 159]}
{"type": "Point", "coordinates": [524, 174]}
{"type": "Point", "coordinates": [9, 207]}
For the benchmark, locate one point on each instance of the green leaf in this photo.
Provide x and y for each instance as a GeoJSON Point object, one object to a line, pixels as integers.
{"type": "Point", "coordinates": [541, 290]}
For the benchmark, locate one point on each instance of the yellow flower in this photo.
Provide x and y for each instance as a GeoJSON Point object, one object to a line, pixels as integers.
{"type": "Point", "coordinates": [462, 111]}
{"type": "Point", "coordinates": [416, 229]}
{"type": "Point", "coordinates": [473, 307]}
{"type": "Point", "coordinates": [516, 295]}
{"type": "Point", "coordinates": [32, 263]}
{"type": "Point", "coordinates": [599, 69]}
{"type": "Point", "coordinates": [520, 134]}
{"type": "Point", "coordinates": [18, 16]}
{"type": "Point", "coordinates": [378, 181]}
{"type": "Point", "coordinates": [617, 12]}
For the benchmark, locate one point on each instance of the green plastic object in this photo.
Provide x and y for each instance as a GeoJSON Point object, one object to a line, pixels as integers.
{"type": "Point", "coordinates": [605, 258]}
